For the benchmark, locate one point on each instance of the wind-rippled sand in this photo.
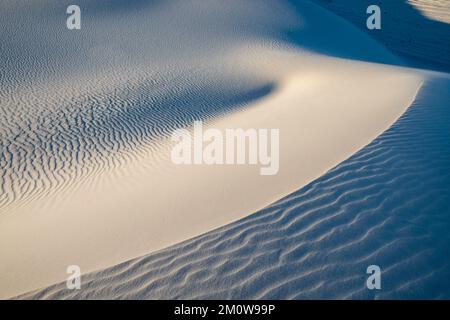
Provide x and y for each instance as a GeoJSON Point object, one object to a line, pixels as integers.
{"type": "Point", "coordinates": [416, 29]}
{"type": "Point", "coordinates": [86, 176]}
{"type": "Point", "coordinates": [386, 205]}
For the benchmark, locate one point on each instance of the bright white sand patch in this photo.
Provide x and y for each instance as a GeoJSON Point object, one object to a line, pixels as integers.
{"type": "Point", "coordinates": [125, 198]}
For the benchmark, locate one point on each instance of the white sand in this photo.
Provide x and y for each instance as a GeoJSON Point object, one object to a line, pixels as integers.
{"type": "Point", "coordinates": [125, 198]}
{"type": "Point", "coordinates": [415, 29]}
{"type": "Point", "coordinates": [384, 205]}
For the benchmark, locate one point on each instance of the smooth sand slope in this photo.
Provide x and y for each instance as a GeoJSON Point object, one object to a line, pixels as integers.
{"type": "Point", "coordinates": [386, 205]}
{"type": "Point", "coordinates": [418, 30]}
{"type": "Point", "coordinates": [86, 177]}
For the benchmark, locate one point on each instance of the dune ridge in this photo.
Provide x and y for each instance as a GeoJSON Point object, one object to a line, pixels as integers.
{"type": "Point", "coordinates": [386, 205]}
{"type": "Point", "coordinates": [86, 176]}
{"type": "Point", "coordinates": [416, 30]}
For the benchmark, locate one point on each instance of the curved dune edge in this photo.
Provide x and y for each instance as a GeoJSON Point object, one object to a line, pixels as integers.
{"type": "Point", "coordinates": [385, 205]}
{"type": "Point", "coordinates": [138, 211]}
{"type": "Point", "coordinates": [417, 30]}
{"type": "Point", "coordinates": [326, 110]}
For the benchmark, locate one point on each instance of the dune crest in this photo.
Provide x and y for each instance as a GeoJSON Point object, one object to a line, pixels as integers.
{"type": "Point", "coordinates": [86, 175]}
{"type": "Point", "coordinates": [385, 205]}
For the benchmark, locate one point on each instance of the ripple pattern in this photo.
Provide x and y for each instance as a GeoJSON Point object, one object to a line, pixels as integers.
{"type": "Point", "coordinates": [52, 138]}
{"type": "Point", "coordinates": [389, 205]}
{"type": "Point", "coordinates": [418, 29]}
{"type": "Point", "coordinates": [74, 104]}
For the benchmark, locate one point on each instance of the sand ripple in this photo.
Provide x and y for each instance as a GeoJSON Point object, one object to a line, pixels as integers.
{"type": "Point", "coordinates": [54, 137]}
{"type": "Point", "coordinates": [418, 29]}
{"type": "Point", "coordinates": [386, 205]}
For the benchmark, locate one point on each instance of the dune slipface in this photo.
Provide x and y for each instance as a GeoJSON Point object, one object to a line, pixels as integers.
{"type": "Point", "coordinates": [386, 205]}
{"type": "Point", "coordinates": [418, 30]}
{"type": "Point", "coordinates": [86, 176]}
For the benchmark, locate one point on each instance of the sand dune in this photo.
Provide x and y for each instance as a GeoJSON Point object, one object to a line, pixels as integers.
{"type": "Point", "coordinates": [86, 176]}
{"type": "Point", "coordinates": [385, 205]}
{"type": "Point", "coordinates": [418, 30]}
{"type": "Point", "coordinates": [438, 10]}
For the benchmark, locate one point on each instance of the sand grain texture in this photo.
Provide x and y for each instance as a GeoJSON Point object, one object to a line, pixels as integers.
{"type": "Point", "coordinates": [86, 176]}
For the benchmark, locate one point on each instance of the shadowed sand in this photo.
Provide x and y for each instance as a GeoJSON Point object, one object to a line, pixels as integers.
{"type": "Point", "coordinates": [386, 205]}
{"type": "Point", "coordinates": [86, 177]}
{"type": "Point", "coordinates": [417, 30]}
